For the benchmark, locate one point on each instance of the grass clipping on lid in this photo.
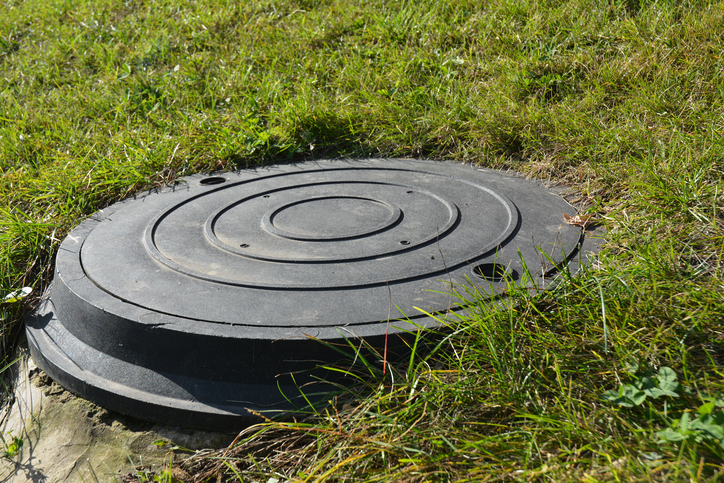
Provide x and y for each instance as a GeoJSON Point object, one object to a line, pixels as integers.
{"type": "Point", "coordinates": [619, 100]}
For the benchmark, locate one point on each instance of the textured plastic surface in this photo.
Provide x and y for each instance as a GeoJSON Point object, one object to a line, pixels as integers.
{"type": "Point", "coordinates": [192, 304]}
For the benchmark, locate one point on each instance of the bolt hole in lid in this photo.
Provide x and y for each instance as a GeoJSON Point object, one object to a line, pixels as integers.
{"type": "Point", "coordinates": [193, 305]}
{"type": "Point", "coordinates": [494, 272]}
{"type": "Point", "coordinates": [212, 180]}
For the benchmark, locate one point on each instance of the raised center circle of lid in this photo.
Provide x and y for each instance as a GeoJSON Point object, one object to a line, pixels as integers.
{"type": "Point", "coordinates": [331, 218]}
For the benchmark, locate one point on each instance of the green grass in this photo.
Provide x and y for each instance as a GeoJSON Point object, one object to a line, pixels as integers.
{"type": "Point", "coordinates": [621, 100]}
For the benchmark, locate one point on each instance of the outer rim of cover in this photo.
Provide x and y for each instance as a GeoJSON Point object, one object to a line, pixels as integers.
{"type": "Point", "coordinates": [64, 340]}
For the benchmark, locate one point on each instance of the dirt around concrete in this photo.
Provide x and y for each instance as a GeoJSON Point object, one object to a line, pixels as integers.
{"type": "Point", "coordinates": [68, 439]}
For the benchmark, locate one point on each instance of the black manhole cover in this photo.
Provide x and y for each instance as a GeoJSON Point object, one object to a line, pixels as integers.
{"type": "Point", "coordinates": [191, 304]}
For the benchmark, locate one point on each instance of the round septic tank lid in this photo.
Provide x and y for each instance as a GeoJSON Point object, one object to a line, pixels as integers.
{"type": "Point", "coordinates": [193, 304]}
